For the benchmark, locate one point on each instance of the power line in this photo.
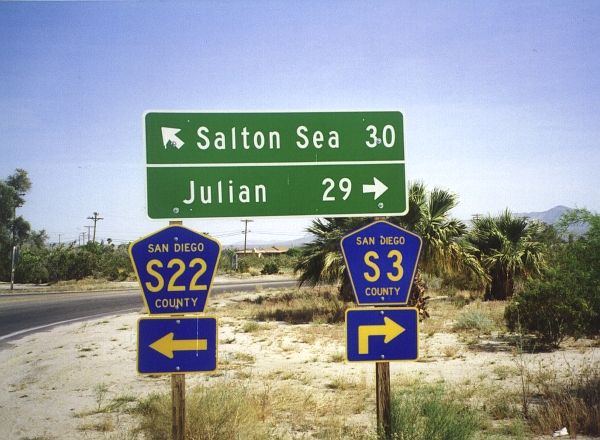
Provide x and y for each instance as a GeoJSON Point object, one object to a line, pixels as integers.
{"type": "Point", "coordinates": [89, 227]}
{"type": "Point", "coordinates": [245, 231]}
{"type": "Point", "coordinates": [95, 218]}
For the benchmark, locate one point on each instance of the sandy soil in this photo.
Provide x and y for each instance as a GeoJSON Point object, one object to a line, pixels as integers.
{"type": "Point", "coordinates": [54, 381]}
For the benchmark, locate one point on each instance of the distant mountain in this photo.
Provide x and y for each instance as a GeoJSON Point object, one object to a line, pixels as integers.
{"type": "Point", "coordinates": [553, 215]}
{"type": "Point", "coordinates": [549, 217]}
{"type": "Point", "coordinates": [265, 244]}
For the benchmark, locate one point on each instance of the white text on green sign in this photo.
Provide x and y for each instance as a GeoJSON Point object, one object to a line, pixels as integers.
{"type": "Point", "coordinates": [253, 164]}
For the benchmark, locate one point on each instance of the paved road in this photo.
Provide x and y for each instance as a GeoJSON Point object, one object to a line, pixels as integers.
{"type": "Point", "coordinates": [21, 314]}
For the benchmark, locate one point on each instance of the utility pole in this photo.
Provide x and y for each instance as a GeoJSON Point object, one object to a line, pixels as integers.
{"type": "Point", "coordinates": [89, 227]}
{"type": "Point", "coordinates": [95, 218]}
{"type": "Point", "coordinates": [245, 231]}
{"type": "Point", "coordinates": [13, 254]}
{"type": "Point", "coordinates": [13, 251]}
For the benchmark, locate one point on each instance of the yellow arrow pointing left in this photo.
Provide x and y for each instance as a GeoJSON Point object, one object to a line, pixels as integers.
{"type": "Point", "coordinates": [167, 345]}
{"type": "Point", "coordinates": [390, 329]}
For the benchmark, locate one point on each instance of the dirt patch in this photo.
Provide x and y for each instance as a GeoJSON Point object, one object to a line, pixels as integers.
{"type": "Point", "coordinates": [73, 381]}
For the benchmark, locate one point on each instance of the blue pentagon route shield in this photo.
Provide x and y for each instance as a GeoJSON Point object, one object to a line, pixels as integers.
{"type": "Point", "coordinates": [381, 259]}
{"type": "Point", "coordinates": [175, 267]}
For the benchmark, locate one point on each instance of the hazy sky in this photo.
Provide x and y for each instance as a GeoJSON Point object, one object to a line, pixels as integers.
{"type": "Point", "coordinates": [500, 99]}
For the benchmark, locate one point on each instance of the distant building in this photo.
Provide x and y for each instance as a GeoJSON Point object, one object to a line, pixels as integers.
{"type": "Point", "coordinates": [264, 252]}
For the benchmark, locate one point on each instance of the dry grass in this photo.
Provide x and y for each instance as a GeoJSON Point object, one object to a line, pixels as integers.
{"type": "Point", "coordinates": [451, 351]}
{"type": "Point", "coordinates": [282, 402]}
{"type": "Point", "coordinates": [229, 410]}
{"type": "Point", "coordinates": [503, 372]}
{"type": "Point", "coordinates": [106, 424]}
{"type": "Point", "coordinates": [573, 403]}
{"type": "Point", "coordinates": [299, 306]}
{"type": "Point", "coordinates": [86, 285]}
{"type": "Point", "coordinates": [220, 412]}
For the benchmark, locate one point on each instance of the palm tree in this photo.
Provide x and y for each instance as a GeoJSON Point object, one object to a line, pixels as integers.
{"type": "Point", "coordinates": [444, 250]}
{"type": "Point", "coordinates": [321, 260]}
{"type": "Point", "coordinates": [428, 215]}
{"type": "Point", "coordinates": [507, 247]}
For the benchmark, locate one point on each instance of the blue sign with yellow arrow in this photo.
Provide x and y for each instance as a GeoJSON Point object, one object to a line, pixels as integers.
{"type": "Point", "coordinates": [382, 334]}
{"type": "Point", "coordinates": [381, 259]}
{"type": "Point", "coordinates": [177, 345]}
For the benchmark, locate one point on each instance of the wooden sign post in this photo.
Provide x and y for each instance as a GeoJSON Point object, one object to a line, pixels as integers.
{"type": "Point", "coordinates": [178, 394]}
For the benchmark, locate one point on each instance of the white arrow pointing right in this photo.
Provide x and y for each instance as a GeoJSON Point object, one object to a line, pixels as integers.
{"type": "Point", "coordinates": [169, 136]}
{"type": "Point", "coordinates": [378, 188]}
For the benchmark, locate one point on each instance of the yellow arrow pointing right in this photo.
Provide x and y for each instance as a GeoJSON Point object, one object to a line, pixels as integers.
{"type": "Point", "coordinates": [390, 329]}
{"type": "Point", "coordinates": [167, 345]}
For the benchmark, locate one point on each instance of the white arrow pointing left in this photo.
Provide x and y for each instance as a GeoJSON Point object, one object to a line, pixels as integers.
{"type": "Point", "coordinates": [169, 136]}
{"type": "Point", "coordinates": [377, 188]}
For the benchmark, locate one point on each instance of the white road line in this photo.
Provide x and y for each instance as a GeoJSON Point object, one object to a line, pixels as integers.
{"type": "Point", "coordinates": [67, 321]}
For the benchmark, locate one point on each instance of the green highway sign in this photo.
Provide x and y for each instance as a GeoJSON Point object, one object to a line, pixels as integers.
{"type": "Point", "coordinates": [212, 165]}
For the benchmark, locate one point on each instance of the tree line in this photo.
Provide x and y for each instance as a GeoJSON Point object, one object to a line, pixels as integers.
{"type": "Point", "coordinates": [38, 262]}
{"type": "Point", "coordinates": [551, 278]}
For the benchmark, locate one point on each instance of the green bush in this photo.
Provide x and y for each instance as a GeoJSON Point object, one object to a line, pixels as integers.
{"type": "Point", "coordinates": [69, 262]}
{"type": "Point", "coordinates": [550, 310]}
{"type": "Point", "coordinates": [294, 252]}
{"type": "Point", "coordinates": [425, 412]}
{"type": "Point", "coordinates": [565, 301]}
{"type": "Point", "coordinates": [282, 261]}
{"type": "Point", "coordinates": [270, 268]}
{"type": "Point", "coordinates": [31, 268]}
{"type": "Point", "coordinates": [226, 262]}
{"type": "Point", "coordinates": [243, 266]}
{"type": "Point", "coordinates": [474, 320]}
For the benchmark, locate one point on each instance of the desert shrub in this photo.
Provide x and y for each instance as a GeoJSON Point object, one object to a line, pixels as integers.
{"type": "Point", "coordinates": [565, 301]}
{"type": "Point", "coordinates": [227, 259]}
{"type": "Point", "coordinates": [70, 262]}
{"type": "Point", "coordinates": [294, 252]}
{"type": "Point", "coordinates": [270, 268]}
{"type": "Point", "coordinates": [243, 266]}
{"type": "Point", "coordinates": [426, 412]}
{"type": "Point", "coordinates": [223, 412]}
{"type": "Point", "coordinates": [461, 281]}
{"type": "Point", "coordinates": [474, 320]}
{"type": "Point", "coordinates": [114, 264]}
{"type": "Point", "coordinates": [300, 307]}
{"type": "Point", "coordinates": [548, 309]}
{"type": "Point", "coordinates": [31, 267]}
